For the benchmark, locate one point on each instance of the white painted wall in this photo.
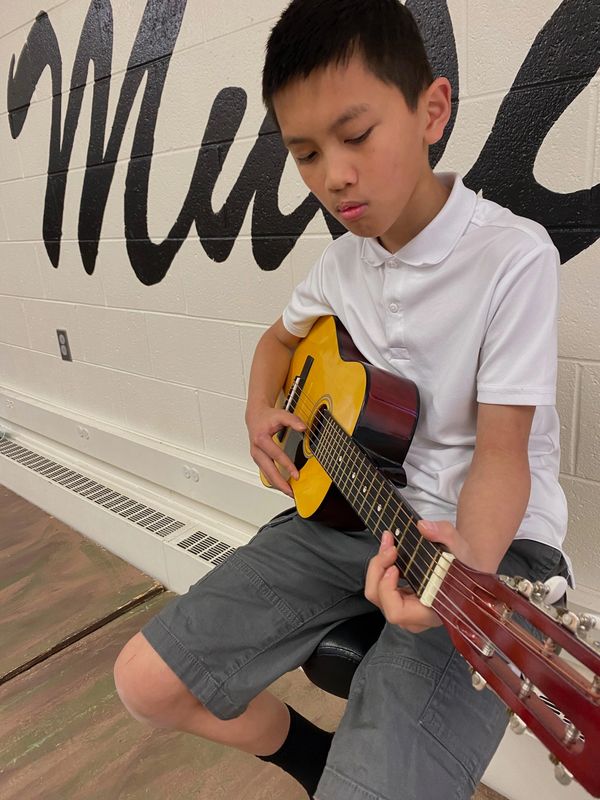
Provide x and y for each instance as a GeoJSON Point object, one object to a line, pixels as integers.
{"type": "Point", "coordinates": [170, 362]}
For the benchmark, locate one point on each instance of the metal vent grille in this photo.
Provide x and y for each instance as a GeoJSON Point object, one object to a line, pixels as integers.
{"type": "Point", "coordinates": [206, 547]}
{"type": "Point", "coordinates": [198, 544]}
{"type": "Point", "coordinates": [146, 517]}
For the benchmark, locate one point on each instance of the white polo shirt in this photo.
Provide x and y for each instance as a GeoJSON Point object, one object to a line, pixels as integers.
{"type": "Point", "coordinates": [468, 311]}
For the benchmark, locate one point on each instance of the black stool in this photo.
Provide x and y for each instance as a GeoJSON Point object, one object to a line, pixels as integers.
{"type": "Point", "coordinates": [334, 662]}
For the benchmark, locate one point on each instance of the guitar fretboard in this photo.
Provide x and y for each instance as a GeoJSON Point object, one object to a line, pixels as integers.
{"type": "Point", "coordinates": [374, 498]}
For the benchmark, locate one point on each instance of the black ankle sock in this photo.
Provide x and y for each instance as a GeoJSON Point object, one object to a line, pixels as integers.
{"type": "Point", "coordinates": [304, 752]}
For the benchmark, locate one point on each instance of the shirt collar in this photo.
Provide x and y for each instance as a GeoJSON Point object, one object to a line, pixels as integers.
{"type": "Point", "coordinates": [438, 239]}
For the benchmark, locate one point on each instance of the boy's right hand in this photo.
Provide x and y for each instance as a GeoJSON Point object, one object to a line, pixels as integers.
{"type": "Point", "coordinates": [262, 426]}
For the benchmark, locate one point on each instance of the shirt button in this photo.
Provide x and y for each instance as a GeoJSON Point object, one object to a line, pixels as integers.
{"type": "Point", "coordinates": [393, 307]}
{"type": "Point", "coordinates": [393, 262]}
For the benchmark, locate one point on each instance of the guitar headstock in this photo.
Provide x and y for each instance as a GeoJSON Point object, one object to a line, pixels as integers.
{"type": "Point", "coordinates": [516, 644]}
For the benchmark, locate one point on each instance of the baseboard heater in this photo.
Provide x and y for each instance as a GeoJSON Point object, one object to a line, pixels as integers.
{"type": "Point", "coordinates": [197, 543]}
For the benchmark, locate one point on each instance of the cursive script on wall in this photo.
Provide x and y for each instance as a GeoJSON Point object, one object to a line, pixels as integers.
{"type": "Point", "coordinates": [563, 58]}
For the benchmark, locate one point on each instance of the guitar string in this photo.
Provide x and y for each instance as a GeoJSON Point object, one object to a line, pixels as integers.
{"type": "Point", "coordinates": [534, 647]}
{"type": "Point", "coordinates": [419, 539]}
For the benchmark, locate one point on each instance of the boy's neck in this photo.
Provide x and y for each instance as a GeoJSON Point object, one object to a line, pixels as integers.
{"type": "Point", "coordinates": [427, 201]}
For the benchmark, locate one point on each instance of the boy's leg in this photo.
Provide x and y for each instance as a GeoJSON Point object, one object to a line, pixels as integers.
{"type": "Point", "coordinates": [414, 728]}
{"type": "Point", "coordinates": [202, 664]}
{"type": "Point", "coordinates": [260, 730]}
{"type": "Point", "coordinates": [268, 728]}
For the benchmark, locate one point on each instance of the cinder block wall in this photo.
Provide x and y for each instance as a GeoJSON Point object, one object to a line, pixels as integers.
{"type": "Point", "coordinates": [146, 207]}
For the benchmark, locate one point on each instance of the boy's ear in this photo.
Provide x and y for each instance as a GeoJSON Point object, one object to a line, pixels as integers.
{"type": "Point", "coordinates": [437, 102]}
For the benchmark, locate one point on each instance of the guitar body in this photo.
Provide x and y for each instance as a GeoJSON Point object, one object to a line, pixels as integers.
{"type": "Point", "coordinates": [379, 410]}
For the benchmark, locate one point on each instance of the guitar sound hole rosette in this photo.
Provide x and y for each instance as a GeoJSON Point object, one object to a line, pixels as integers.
{"type": "Point", "coordinates": [316, 425]}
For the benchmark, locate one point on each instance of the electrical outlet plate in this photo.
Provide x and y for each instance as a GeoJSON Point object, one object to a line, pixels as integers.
{"type": "Point", "coordinates": [63, 345]}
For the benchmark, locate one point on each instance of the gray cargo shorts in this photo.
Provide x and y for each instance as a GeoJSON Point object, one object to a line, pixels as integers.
{"type": "Point", "coordinates": [413, 728]}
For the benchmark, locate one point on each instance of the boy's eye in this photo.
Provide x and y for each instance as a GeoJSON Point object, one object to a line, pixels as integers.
{"type": "Point", "coordinates": [305, 159]}
{"type": "Point", "coordinates": [360, 139]}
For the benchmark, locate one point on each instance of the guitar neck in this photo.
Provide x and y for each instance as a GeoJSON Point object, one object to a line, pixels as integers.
{"type": "Point", "coordinates": [375, 499]}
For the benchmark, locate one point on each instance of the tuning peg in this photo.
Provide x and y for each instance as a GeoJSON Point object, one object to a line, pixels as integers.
{"type": "Point", "coordinates": [588, 621]}
{"type": "Point", "coordinates": [549, 591]}
{"type": "Point", "coordinates": [516, 724]}
{"type": "Point", "coordinates": [511, 582]}
{"type": "Point", "coordinates": [525, 587]}
{"type": "Point", "coordinates": [561, 773]}
{"type": "Point", "coordinates": [570, 620]}
{"type": "Point", "coordinates": [478, 681]}
{"type": "Point", "coordinates": [539, 591]}
{"type": "Point", "coordinates": [545, 594]}
{"type": "Point", "coordinates": [571, 734]}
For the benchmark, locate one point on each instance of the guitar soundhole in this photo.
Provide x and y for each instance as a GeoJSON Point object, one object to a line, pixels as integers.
{"type": "Point", "coordinates": [316, 427]}
{"type": "Point", "coordinates": [294, 447]}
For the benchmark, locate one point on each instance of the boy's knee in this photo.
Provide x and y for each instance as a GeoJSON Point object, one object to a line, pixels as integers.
{"type": "Point", "coordinates": [126, 673]}
{"type": "Point", "coordinates": [145, 684]}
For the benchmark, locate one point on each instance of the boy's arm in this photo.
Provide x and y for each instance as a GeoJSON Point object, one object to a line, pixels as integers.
{"type": "Point", "coordinates": [270, 366]}
{"type": "Point", "coordinates": [496, 491]}
{"type": "Point", "coordinates": [491, 506]}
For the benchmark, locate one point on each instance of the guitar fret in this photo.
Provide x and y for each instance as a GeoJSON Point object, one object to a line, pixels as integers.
{"type": "Point", "coordinates": [423, 567]}
{"type": "Point", "coordinates": [354, 470]}
{"type": "Point", "coordinates": [356, 464]}
{"type": "Point", "coordinates": [364, 488]}
{"type": "Point", "coordinates": [375, 500]}
{"type": "Point", "coordinates": [330, 432]}
{"type": "Point", "coordinates": [363, 480]}
{"type": "Point", "coordinates": [342, 465]}
{"type": "Point", "coordinates": [412, 561]}
{"type": "Point", "coordinates": [404, 532]}
{"type": "Point", "coordinates": [383, 510]}
{"type": "Point", "coordinates": [343, 473]}
{"type": "Point", "coordinates": [426, 576]}
{"type": "Point", "coordinates": [326, 441]}
{"type": "Point", "coordinates": [412, 558]}
{"type": "Point", "coordinates": [372, 494]}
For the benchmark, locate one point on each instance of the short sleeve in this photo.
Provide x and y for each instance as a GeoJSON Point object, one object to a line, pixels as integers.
{"type": "Point", "coordinates": [518, 357]}
{"type": "Point", "coordinates": [308, 302]}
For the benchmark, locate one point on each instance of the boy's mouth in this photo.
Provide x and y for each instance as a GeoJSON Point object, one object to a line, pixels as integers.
{"type": "Point", "coordinates": [351, 211]}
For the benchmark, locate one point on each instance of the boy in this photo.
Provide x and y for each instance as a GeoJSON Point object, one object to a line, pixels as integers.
{"type": "Point", "coordinates": [451, 291]}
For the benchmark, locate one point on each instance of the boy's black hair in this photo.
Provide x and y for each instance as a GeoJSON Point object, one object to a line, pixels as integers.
{"type": "Point", "coordinates": [312, 34]}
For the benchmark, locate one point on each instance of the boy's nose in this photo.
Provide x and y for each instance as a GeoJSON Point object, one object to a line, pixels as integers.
{"type": "Point", "coordinates": [339, 175]}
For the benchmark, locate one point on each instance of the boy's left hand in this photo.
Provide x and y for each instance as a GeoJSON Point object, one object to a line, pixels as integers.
{"type": "Point", "coordinates": [401, 606]}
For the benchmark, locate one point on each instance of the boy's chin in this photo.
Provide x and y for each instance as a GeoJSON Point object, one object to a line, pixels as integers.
{"type": "Point", "coordinates": [363, 228]}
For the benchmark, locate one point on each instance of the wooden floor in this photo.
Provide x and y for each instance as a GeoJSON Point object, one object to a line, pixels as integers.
{"type": "Point", "coordinates": [68, 606]}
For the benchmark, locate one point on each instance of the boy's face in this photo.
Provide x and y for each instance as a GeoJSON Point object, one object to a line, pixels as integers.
{"type": "Point", "coordinates": [360, 149]}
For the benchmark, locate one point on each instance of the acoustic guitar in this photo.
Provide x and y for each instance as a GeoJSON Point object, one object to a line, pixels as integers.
{"type": "Point", "coordinates": [360, 422]}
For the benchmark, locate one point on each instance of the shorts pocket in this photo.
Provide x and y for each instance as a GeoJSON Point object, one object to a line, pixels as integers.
{"type": "Point", "coordinates": [278, 519]}
{"type": "Point", "coordinates": [467, 724]}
